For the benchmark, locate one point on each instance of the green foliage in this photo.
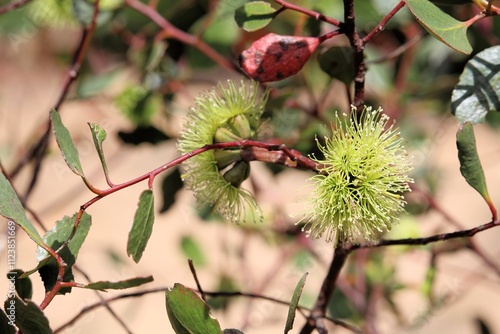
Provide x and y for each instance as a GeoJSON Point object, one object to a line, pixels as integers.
{"type": "Point", "coordinates": [47, 266]}
{"type": "Point", "coordinates": [294, 303]}
{"type": "Point", "coordinates": [337, 62]}
{"type": "Point", "coordinates": [11, 208]}
{"type": "Point", "coordinates": [254, 15]}
{"type": "Point", "coordinates": [169, 45]}
{"type": "Point", "coordinates": [66, 145]}
{"type": "Point", "coordinates": [28, 316]}
{"type": "Point", "coordinates": [142, 226]}
{"type": "Point", "coordinates": [24, 287]}
{"type": "Point", "coordinates": [188, 313]}
{"type": "Point", "coordinates": [441, 25]}
{"type": "Point", "coordinates": [129, 283]}
{"type": "Point", "coordinates": [470, 165]}
{"type": "Point", "coordinates": [477, 92]}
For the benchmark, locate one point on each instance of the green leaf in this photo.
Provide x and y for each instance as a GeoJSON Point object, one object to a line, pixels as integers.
{"type": "Point", "coordinates": [478, 90]}
{"type": "Point", "coordinates": [99, 135]}
{"type": "Point", "coordinates": [171, 184]}
{"type": "Point", "coordinates": [47, 266]}
{"type": "Point", "coordinates": [254, 15]}
{"type": "Point", "coordinates": [24, 287]}
{"type": "Point", "coordinates": [66, 145]}
{"type": "Point", "coordinates": [470, 165]}
{"type": "Point", "coordinates": [294, 303]}
{"type": "Point", "coordinates": [11, 208]}
{"type": "Point", "coordinates": [188, 313]}
{"type": "Point", "coordinates": [441, 25]}
{"type": "Point", "coordinates": [192, 250]}
{"type": "Point", "coordinates": [6, 323]}
{"type": "Point", "coordinates": [142, 226]}
{"type": "Point", "coordinates": [29, 317]}
{"type": "Point", "coordinates": [338, 63]}
{"type": "Point", "coordinates": [129, 283]}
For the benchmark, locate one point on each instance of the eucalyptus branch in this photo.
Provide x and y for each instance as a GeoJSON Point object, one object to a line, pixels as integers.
{"type": "Point", "coordinates": [357, 45]}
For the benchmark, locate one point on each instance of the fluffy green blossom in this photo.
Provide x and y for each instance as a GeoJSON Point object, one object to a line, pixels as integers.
{"type": "Point", "coordinates": [358, 193]}
{"type": "Point", "coordinates": [229, 113]}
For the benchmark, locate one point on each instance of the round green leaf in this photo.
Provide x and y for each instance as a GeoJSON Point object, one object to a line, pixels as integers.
{"type": "Point", "coordinates": [478, 90]}
{"type": "Point", "coordinates": [338, 63]}
{"type": "Point", "coordinates": [254, 15]}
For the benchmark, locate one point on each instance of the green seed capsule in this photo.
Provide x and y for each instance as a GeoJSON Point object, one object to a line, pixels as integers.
{"type": "Point", "coordinates": [241, 127]}
{"type": "Point", "coordinates": [223, 135]}
{"type": "Point", "coordinates": [238, 173]}
{"type": "Point", "coordinates": [225, 158]}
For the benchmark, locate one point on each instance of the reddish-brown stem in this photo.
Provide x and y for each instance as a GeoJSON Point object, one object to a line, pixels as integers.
{"type": "Point", "coordinates": [349, 29]}
{"type": "Point", "coordinates": [290, 158]}
{"type": "Point", "coordinates": [315, 15]}
{"type": "Point", "coordinates": [13, 5]}
{"type": "Point", "coordinates": [317, 315]}
{"type": "Point", "coordinates": [424, 241]}
{"type": "Point", "coordinates": [383, 23]}
{"type": "Point", "coordinates": [170, 31]}
{"type": "Point", "coordinates": [196, 280]}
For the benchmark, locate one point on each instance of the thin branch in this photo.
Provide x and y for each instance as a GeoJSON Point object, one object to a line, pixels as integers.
{"type": "Point", "coordinates": [13, 5]}
{"type": "Point", "coordinates": [106, 306]}
{"type": "Point", "coordinates": [315, 15]}
{"type": "Point", "coordinates": [349, 29]}
{"type": "Point", "coordinates": [170, 31]}
{"type": "Point", "coordinates": [424, 241]}
{"type": "Point", "coordinates": [197, 281]}
{"type": "Point", "coordinates": [317, 315]}
{"type": "Point", "coordinates": [37, 151]}
{"type": "Point", "coordinates": [383, 23]}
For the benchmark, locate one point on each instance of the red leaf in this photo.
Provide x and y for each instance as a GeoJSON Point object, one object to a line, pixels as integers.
{"type": "Point", "coordinates": [276, 57]}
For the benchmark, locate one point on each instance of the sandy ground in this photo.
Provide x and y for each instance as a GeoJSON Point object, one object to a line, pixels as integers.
{"type": "Point", "coordinates": [30, 81]}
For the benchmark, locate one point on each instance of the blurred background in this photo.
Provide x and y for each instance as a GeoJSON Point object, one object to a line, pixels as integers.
{"type": "Point", "coordinates": [138, 84]}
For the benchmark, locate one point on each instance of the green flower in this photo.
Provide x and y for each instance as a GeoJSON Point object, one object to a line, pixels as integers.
{"type": "Point", "coordinates": [229, 114]}
{"type": "Point", "coordinates": [358, 193]}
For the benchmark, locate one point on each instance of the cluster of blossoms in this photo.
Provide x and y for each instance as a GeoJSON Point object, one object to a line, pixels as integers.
{"type": "Point", "coordinates": [230, 114]}
{"type": "Point", "coordinates": [358, 190]}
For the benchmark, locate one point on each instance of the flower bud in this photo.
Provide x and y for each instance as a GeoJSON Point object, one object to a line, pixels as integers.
{"type": "Point", "coordinates": [225, 158]}
{"type": "Point", "coordinates": [240, 126]}
{"type": "Point", "coordinates": [223, 135]}
{"type": "Point", "coordinates": [238, 173]}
